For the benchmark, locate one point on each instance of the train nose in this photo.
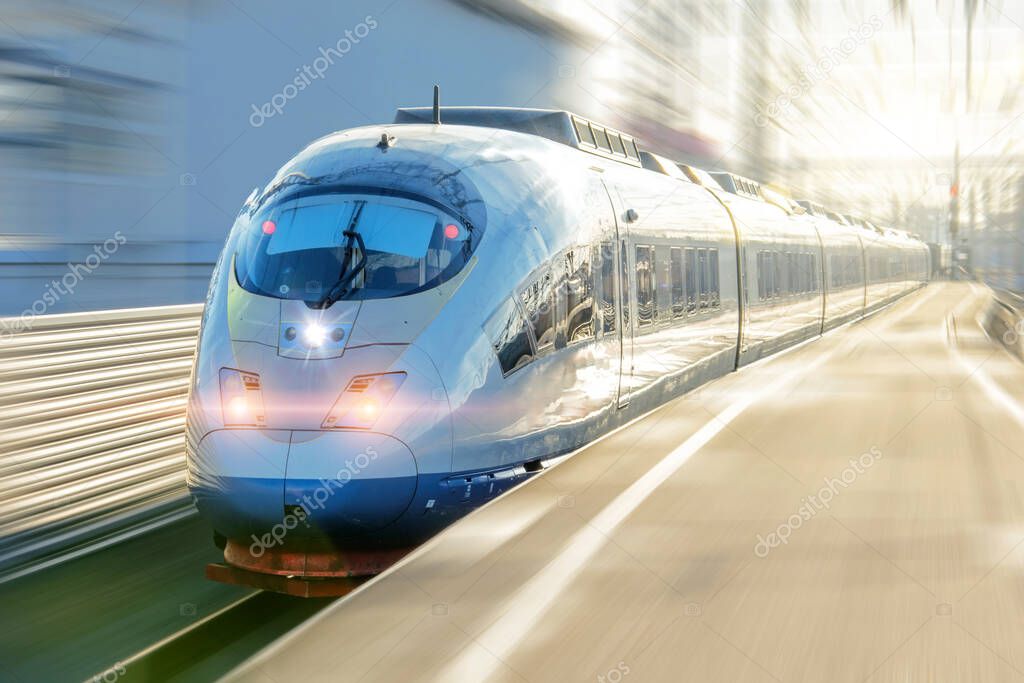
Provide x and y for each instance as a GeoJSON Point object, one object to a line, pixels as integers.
{"type": "Point", "coordinates": [334, 483]}
{"type": "Point", "coordinates": [348, 482]}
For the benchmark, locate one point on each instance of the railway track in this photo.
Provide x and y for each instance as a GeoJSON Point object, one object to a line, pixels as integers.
{"type": "Point", "coordinates": [212, 646]}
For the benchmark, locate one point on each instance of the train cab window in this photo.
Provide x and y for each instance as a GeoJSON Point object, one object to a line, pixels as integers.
{"type": "Point", "coordinates": [579, 289]}
{"type": "Point", "coordinates": [606, 295]}
{"type": "Point", "coordinates": [691, 280]}
{"type": "Point", "coordinates": [583, 131]}
{"type": "Point", "coordinates": [678, 286]}
{"type": "Point", "coordinates": [645, 286]}
{"type": "Point", "coordinates": [539, 305]}
{"type": "Point", "coordinates": [506, 330]}
{"type": "Point", "coordinates": [299, 248]}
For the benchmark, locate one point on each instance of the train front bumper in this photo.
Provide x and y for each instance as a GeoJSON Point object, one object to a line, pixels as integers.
{"type": "Point", "coordinates": [294, 484]}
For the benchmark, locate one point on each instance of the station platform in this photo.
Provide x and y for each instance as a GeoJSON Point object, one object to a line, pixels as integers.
{"type": "Point", "coordinates": [850, 510]}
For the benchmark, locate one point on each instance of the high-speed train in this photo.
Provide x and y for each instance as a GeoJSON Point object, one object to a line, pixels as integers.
{"type": "Point", "coordinates": [411, 318]}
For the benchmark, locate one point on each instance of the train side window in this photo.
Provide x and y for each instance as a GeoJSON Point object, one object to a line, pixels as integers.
{"type": "Point", "coordinates": [560, 285]}
{"type": "Point", "coordinates": [624, 284]}
{"type": "Point", "coordinates": [678, 287]}
{"type": "Point", "coordinates": [702, 277]}
{"type": "Point", "coordinates": [663, 282]}
{"type": "Point", "coordinates": [579, 289]}
{"type": "Point", "coordinates": [790, 275]}
{"type": "Point", "coordinates": [539, 306]}
{"type": "Point", "coordinates": [761, 288]}
{"type": "Point", "coordinates": [606, 297]}
{"type": "Point", "coordinates": [645, 285]}
{"type": "Point", "coordinates": [778, 274]}
{"type": "Point", "coordinates": [506, 330]}
{"type": "Point", "coordinates": [716, 297]}
{"type": "Point", "coordinates": [691, 280]}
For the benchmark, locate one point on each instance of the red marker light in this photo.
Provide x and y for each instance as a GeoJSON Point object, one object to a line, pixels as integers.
{"type": "Point", "coordinates": [269, 227]}
{"type": "Point", "coordinates": [451, 231]}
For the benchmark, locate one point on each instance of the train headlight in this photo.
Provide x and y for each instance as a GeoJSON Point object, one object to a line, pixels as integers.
{"type": "Point", "coordinates": [314, 334]}
{"type": "Point", "coordinates": [241, 398]}
{"type": "Point", "coordinates": [312, 339]}
{"type": "Point", "coordinates": [363, 400]}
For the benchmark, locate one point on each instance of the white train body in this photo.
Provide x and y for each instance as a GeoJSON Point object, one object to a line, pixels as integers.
{"type": "Point", "coordinates": [522, 295]}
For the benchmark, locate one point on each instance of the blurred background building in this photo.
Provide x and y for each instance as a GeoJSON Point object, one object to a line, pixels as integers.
{"type": "Point", "coordinates": [148, 122]}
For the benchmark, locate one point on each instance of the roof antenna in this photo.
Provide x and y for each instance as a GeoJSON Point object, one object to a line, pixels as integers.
{"type": "Point", "coordinates": [437, 105]}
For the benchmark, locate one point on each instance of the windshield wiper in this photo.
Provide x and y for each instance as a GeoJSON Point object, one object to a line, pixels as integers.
{"type": "Point", "coordinates": [349, 272]}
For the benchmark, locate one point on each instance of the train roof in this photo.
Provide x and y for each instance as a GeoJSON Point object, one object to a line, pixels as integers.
{"type": "Point", "coordinates": [737, 184]}
{"type": "Point", "coordinates": [660, 164]}
{"type": "Point", "coordinates": [699, 176]}
{"type": "Point", "coordinates": [554, 124]}
{"type": "Point", "coordinates": [585, 135]}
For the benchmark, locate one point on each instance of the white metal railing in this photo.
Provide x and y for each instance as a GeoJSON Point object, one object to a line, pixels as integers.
{"type": "Point", "coordinates": [92, 416]}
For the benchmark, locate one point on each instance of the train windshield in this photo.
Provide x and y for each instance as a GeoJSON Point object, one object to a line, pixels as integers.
{"type": "Point", "coordinates": [349, 247]}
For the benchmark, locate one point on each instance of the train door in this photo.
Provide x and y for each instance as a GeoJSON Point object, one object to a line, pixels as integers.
{"type": "Point", "coordinates": [623, 296]}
